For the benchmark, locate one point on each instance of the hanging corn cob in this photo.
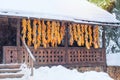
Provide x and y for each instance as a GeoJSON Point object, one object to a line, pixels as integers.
{"type": "Point", "coordinates": [58, 33]}
{"type": "Point", "coordinates": [48, 32]}
{"type": "Point", "coordinates": [53, 34]}
{"type": "Point", "coordinates": [29, 34]}
{"type": "Point", "coordinates": [79, 39]}
{"type": "Point", "coordinates": [86, 37]}
{"type": "Point", "coordinates": [90, 34]}
{"type": "Point", "coordinates": [39, 34]}
{"type": "Point", "coordinates": [96, 37]}
{"type": "Point", "coordinates": [24, 30]}
{"type": "Point", "coordinates": [75, 32]}
{"type": "Point", "coordinates": [71, 40]}
{"type": "Point", "coordinates": [44, 41]}
{"type": "Point", "coordinates": [34, 41]}
{"type": "Point", "coordinates": [82, 35]}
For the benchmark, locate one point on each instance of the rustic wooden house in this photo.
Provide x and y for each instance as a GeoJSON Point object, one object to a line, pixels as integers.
{"type": "Point", "coordinates": [72, 40]}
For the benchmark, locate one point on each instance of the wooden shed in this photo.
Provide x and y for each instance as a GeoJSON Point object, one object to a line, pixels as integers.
{"type": "Point", "coordinates": [72, 40]}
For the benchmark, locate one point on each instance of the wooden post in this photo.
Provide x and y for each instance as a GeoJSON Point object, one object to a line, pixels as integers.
{"type": "Point", "coordinates": [18, 33]}
{"type": "Point", "coordinates": [104, 48]}
{"type": "Point", "coordinates": [31, 67]}
{"type": "Point", "coordinates": [66, 36]}
{"type": "Point", "coordinates": [103, 38]}
{"type": "Point", "coordinates": [66, 43]}
{"type": "Point", "coordinates": [18, 41]}
{"type": "Point", "coordinates": [26, 58]}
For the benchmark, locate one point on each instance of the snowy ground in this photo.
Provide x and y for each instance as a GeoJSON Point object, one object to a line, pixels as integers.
{"type": "Point", "coordinates": [113, 59]}
{"type": "Point", "coordinates": [111, 56]}
{"type": "Point", "coordinates": [62, 73]}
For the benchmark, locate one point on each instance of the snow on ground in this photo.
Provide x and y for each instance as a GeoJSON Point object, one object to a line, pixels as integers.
{"type": "Point", "coordinates": [62, 73]}
{"type": "Point", "coordinates": [113, 59]}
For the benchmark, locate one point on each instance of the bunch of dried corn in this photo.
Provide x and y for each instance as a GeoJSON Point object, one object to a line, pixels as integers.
{"type": "Point", "coordinates": [39, 34]}
{"type": "Point", "coordinates": [83, 35]}
{"type": "Point", "coordinates": [24, 29]}
{"type": "Point", "coordinates": [96, 37]}
{"type": "Point", "coordinates": [29, 34]}
{"type": "Point", "coordinates": [34, 41]}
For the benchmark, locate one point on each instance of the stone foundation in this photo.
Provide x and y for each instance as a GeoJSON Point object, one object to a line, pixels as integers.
{"type": "Point", "coordinates": [114, 72]}
{"type": "Point", "coordinates": [83, 69]}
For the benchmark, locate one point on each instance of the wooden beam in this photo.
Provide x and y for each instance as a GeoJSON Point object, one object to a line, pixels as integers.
{"type": "Point", "coordinates": [18, 40]}
{"type": "Point", "coordinates": [18, 33]}
{"type": "Point", "coordinates": [104, 49]}
{"type": "Point", "coordinates": [103, 38]}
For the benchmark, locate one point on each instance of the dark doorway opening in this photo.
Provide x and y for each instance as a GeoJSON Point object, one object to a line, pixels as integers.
{"type": "Point", "coordinates": [7, 36]}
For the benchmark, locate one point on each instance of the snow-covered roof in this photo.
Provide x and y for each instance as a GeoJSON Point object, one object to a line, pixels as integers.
{"type": "Point", "coordinates": [71, 10]}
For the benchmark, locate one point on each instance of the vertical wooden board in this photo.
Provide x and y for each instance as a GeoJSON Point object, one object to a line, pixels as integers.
{"type": "Point", "coordinates": [18, 32]}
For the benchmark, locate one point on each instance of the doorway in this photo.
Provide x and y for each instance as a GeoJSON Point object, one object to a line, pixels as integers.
{"type": "Point", "coordinates": [7, 36]}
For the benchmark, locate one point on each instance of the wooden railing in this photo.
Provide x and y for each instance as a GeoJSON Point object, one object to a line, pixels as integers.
{"type": "Point", "coordinates": [72, 56]}
{"type": "Point", "coordinates": [29, 60]}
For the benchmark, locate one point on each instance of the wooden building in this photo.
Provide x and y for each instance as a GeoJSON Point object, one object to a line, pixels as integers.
{"type": "Point", "coordinates": [52, 40]}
